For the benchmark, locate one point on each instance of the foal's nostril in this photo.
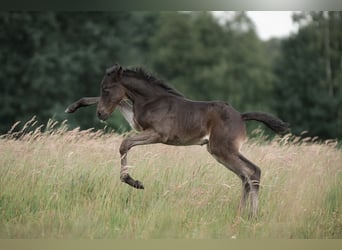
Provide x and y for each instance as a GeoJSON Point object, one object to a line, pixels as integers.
{"type": "Point", "coordinates": [102, 115]}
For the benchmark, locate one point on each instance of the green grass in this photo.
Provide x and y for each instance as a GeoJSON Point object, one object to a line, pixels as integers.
{"type": "Point", "coordinates": [65, 184]}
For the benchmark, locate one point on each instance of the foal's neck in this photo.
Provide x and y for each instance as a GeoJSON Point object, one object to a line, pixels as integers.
{"type": "Point", "coordinates": [139, 89]}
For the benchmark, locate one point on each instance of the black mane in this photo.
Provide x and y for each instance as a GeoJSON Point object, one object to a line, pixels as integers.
{"type": "Point", "coordinates": [142, 74]}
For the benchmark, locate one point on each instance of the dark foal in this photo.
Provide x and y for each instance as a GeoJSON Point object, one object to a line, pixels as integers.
{"type": "Point", "coordinates": [163, 115]}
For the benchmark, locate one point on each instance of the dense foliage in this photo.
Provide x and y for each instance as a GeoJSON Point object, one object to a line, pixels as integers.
{"type": "Point", "coordinates": [49, 59]}
{"type": "Point", "coordinates": [308, 88]}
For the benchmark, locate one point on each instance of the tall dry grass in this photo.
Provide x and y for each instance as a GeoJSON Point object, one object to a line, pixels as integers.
{"type": "Point", "coordinates": [56, 183]}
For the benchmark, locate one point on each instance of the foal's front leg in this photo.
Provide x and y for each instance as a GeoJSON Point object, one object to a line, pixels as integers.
{"type": "Point", "coordinates": [145, 137]}
{"type": "Point", "coordinates": [83, 102]}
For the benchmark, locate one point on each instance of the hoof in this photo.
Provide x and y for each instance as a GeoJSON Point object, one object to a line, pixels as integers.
{"type": "Point", "coordinates": [138, 185]}
{"type": "Point", "coordinates": [130, 181]}
{"type": "Point", "coordinates": [69, 110]}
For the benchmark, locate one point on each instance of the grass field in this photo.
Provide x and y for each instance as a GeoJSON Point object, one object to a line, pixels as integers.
{"type": "Point", "coordinates": [65, 184]}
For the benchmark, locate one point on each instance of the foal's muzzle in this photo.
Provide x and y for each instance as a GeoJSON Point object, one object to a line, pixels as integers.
{"type": "Point", "coordinates": [102, 115]}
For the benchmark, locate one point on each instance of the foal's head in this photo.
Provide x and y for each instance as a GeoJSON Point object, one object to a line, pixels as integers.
{"type": "Point", "coordinates": [112, 92]}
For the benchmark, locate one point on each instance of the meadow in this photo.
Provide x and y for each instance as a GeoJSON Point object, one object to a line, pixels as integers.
{"type": "Point", "coordinates": [57, 183]}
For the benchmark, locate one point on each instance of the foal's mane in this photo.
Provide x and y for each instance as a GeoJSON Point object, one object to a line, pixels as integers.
{"type": "Point", "coordinates": [140, 73]}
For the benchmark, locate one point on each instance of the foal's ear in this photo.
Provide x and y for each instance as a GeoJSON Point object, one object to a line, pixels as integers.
{"type": "Point", "coordinates": [119, 72]}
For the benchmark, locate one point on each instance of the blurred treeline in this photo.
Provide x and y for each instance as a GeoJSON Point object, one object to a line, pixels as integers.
{"type": "Point", "coordinates": [50, 59]}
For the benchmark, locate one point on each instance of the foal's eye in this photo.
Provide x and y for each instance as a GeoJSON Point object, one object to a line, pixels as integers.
{"type": "Point", "coordinates": [105, 91]}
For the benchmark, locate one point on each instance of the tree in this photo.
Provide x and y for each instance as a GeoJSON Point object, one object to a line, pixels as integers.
{"type": "Point", "coordinates": [210, 61]}
{"type": "Point", "coordinates": [52, 58]}
{"type": "Point", "coordinates": [308, 90]}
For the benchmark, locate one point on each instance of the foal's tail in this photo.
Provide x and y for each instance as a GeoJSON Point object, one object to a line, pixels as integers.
{"type": "Point", "coordinates": [274, 123]}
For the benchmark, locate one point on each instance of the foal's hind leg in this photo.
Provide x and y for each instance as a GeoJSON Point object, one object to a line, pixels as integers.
{"type": "Point", "coordinates": [228, 155]}
{"type": "Point", "coordinates": [145, 137]}
{"type": "Point", "coordinates": [251, 185]}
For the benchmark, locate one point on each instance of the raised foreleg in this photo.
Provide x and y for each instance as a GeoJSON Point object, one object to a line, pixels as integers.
{"type": "Point", "coordinates": [125, 107]}
{"type": "Point", "coordinates": [145, 137]}
{"type": "Point", "coordinates": [83, 102]}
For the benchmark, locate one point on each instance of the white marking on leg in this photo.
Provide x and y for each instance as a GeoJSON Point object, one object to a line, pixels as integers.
{"type": "Point", "coordinates": [124, 170]}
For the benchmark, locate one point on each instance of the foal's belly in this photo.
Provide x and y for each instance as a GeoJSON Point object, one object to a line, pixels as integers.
{"type": "Point", "coordinates": [187, 141]}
